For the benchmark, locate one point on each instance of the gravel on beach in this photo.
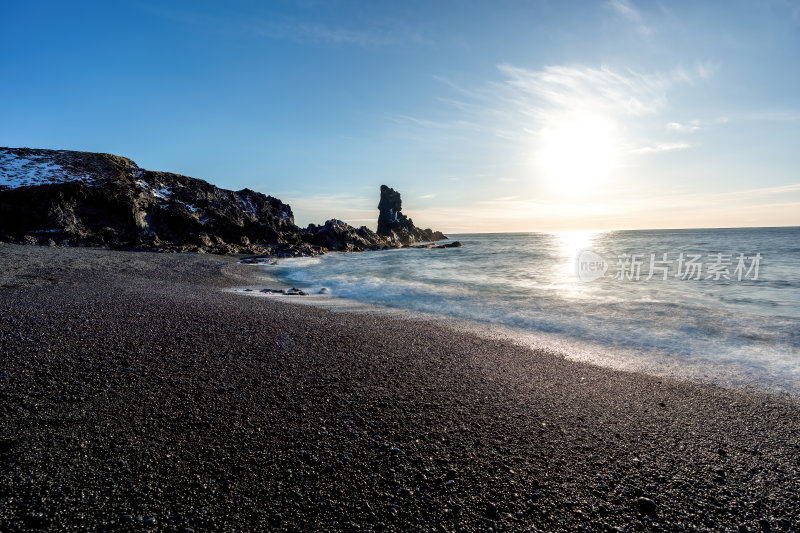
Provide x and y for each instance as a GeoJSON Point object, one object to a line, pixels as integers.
{"type": "Point", "coordinates": [137, 395]}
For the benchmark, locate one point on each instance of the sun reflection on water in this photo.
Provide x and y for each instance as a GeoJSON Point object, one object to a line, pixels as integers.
{"type": "Point", "coordinates": [566, 245]}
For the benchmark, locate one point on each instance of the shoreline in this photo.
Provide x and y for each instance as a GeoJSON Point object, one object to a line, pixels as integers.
{"type": "Point", "coordinates": [654, 363]}
{"type": "Point", "coordinates": [137, 393]}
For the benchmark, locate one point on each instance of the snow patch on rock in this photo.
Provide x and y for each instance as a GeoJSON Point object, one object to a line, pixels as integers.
{"type": "Point", "coordinates": [159, 191]}
{"type": "Point", "coordinates": [17, 170]}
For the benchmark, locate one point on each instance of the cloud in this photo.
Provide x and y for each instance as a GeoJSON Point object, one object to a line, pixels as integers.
{"type": "Point", "coordinates": [681, 74]}
{"type": "Point", "coordinates": [694, 125]}
{"type": "Point", "coordinates": [661, 147]}
{"type": "Point", "coordinates": [457, 124]}
{"type": "Point", "coordinates": [763, 191]}
{"type": "Point", "coordinates": [426, 196]}
{"type": "Point", "coordinates": [583, 89]}
{"type": "Point", "coordinates": [625, 9]}
{"type": "Point", "coordinates": [317, 33]}
{"type": "Point", "coordinates": [524, 103]}
{"type": "Point", "coordinates": [369, 34]}
{"type": "Point", "coordinates": [707, 69]}
{"type": "Point", "coordinates": [689, 127]}
{"type": "Point", "coordinates": [517, 115]}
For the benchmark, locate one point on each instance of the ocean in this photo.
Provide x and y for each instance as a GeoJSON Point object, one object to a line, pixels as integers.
{"type": "Point", "coordinates": [712, 305]}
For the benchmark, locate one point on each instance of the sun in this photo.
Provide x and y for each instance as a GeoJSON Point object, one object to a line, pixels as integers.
{"type": "Point", "coordinates": [577, 153]}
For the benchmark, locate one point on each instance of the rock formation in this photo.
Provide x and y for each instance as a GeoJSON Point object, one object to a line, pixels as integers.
{"type": "Point", "coordinates": [338, 236]}
{"type": "Point", "coordinates": [395, 226]}
{"type": "Point", "coordinates": [59, 197]}
{"type": "Point", "coordinates": [79, 198]}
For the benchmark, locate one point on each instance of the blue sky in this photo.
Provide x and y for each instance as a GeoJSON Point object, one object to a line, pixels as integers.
{"type": "Point", "coordinates": [487, 116]}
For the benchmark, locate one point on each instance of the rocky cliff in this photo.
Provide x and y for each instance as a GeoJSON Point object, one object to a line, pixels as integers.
{"type": "Point", "coordinates": [59, 197]}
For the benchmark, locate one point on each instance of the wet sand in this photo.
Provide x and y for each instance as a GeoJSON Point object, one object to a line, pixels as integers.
{"type": "Point", "coordinates": [135, 394]}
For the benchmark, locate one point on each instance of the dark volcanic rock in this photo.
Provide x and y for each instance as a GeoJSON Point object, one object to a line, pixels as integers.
{"type": "Point", "coordinates": [389, 217]}
{"type": "Point", "coordinates": [81, 198]}
{"type": "Point", "coordinates": [294, 291]}
{"type": "Point", "coordinates": [395, 226]}
{"type": "Point", "coordinates": [339, 236]}
{"type": "Point", "coordinates": [646, 505]}
{"type": "Point", "coordinates": [60, 197]}
{"type": "Point", "coordinates": [454, 244]}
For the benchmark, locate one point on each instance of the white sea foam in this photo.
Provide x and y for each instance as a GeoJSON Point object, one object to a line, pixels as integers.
{"type": "Point", "coordinates": [523, 286]}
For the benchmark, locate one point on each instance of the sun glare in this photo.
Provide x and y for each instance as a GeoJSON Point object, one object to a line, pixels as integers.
{"type": "Point", "coordinates": [568, 244]}
{"type": "Point", "coordinates": [577, 153]}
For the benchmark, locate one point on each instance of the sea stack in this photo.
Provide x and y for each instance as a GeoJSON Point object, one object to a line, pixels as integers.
{"type": "Point", "coordinates": [393, 224]}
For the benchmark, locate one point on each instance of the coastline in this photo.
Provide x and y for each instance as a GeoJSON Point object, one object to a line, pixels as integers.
{"type": "Point", "coordinates": [726, 372]}
{"type": "Point", "coordinates": [137, 392]}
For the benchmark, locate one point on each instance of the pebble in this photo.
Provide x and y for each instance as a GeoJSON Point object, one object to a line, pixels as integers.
{"type": "Point", "coordinates": [402, 384]}
{"type": "Point", "coordinates": [646, 505]}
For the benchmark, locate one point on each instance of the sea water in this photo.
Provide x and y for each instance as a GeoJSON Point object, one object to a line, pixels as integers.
{"type": "Point", "coordinates": [720, 305]}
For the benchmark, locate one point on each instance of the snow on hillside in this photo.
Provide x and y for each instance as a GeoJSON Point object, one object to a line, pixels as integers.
{"type": "Point", "coordinates": [21, 168]}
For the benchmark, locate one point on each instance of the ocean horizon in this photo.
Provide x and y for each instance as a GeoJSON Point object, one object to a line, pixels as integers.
{"type": "Point", "coordinates": [723, 305]}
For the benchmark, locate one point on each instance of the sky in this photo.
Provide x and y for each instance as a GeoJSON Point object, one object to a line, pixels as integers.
{"type": "Point", "coordinates": [497, 116]}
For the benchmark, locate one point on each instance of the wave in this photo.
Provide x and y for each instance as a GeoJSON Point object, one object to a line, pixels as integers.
{"type": "Point", "coordinates": [525, 283]}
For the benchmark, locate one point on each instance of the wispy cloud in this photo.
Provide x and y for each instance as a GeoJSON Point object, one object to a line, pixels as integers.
{"type": "Point", "coordinates": [661, 147]}
{"type": "Point", "coordinates": [524, 103]}
{"type": "Point", "coordinates": [695, 125]}
{"type": "Point", "coordinates": [707, 69]}
{"type": "Point", "coordinates": [578, 97]}
{"type": "Point", "coordinates": [519, 113]}
{"type": "Point", "coordinates": [458, 123]}
{"type": "Point", "coordinates": [368, 34]}
{"type": "Point", "coordinates": [688, 127]}
{"type": "Point", "coordinates": [317, 33]}
{"type": "Point", "coordinates": [581, 89]}
{"type": "Point", "coordinates": [747, 194]}
{"type": "Point", "coordinates": [627, 10]}
{"type": "Point", "coordinates": [501, 200]}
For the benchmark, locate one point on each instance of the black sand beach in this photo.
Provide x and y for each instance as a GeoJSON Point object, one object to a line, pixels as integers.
{"type": "Point", "coordinates": [137, 395]}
